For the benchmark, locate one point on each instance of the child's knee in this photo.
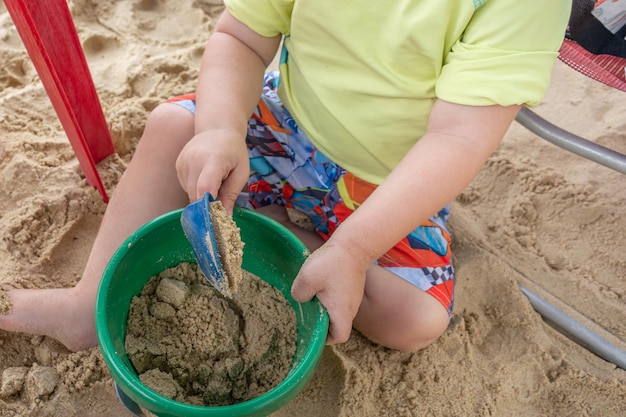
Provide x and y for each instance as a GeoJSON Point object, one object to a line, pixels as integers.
{"type": "Point", "coordinates": [424, 334]}
{"type": "Point", "coordinates": [421, 330]}
{"type": "Point", "coordinates": [167, 115]}
{"type": "Point", "coordinates": [399, 315]}
{"type": "Point", "coordinates": [168, 128]}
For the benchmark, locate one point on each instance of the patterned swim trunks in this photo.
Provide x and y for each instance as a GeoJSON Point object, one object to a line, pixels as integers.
{"type": "Point", "coordinates": [288, 170]}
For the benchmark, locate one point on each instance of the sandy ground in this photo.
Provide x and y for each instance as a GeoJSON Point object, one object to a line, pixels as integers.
{"type": "Point", "coordinates": [536, 216]}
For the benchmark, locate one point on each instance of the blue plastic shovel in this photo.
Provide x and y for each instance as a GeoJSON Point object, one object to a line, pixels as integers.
{"type": "Point", "coordinates": [198, 228]}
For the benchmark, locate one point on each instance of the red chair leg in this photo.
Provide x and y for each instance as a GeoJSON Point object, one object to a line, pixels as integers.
{"type": "Point", "coordinates": [49, 35]}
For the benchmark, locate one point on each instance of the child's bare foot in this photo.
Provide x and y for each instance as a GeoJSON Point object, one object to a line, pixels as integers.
{"type": "Point", "coordinates": [63, 314]}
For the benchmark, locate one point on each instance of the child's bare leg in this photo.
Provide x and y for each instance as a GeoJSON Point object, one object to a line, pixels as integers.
{"type": "Point", "coordinates": [148, 188]}
{"type": "Point", "coordinates": [393, 312]}
{"type": "Point", "coordinates": [397, 314]}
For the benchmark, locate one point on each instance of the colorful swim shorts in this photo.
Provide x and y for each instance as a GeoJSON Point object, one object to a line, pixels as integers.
{"type": "Point", "coordinates": [288, 170]}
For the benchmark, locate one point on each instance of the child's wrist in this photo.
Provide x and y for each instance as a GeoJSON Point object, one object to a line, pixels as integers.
{"type": "Point", "coordinates": [355, 246]}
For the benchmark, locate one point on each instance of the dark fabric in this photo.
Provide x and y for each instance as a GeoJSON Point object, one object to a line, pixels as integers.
{"type": "Point", "coordinates": [589, 32]}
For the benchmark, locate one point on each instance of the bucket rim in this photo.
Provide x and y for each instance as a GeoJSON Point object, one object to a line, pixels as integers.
{"type": "Point", "coordinates": [130, 383]}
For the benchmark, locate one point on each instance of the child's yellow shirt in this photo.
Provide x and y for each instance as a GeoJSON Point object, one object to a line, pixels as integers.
{"type": "Point", "coordinates": [360, 77]}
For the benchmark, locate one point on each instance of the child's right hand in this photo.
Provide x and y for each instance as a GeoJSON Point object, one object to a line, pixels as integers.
{"type": "Point", "coordinates": [214, 161]}
{"type": "Point", "coordinates": [228, 90]}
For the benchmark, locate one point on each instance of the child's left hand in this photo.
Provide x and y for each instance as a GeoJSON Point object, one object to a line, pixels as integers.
{"type": "Point", "coordinates": [337, 278]}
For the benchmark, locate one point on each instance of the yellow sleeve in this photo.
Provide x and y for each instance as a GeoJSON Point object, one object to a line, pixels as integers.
{"type": "Point", "coordinates": [506, 53]}
{"type": "Point", "coordinates": [266, 17]}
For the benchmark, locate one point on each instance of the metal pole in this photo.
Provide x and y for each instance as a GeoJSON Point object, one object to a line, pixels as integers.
{"type": "Point", "coordinates": [575, 144]}
{"type": "Point", "coordinates": [576, 330]}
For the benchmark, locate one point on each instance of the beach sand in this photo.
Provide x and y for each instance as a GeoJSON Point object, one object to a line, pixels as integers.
{"type": "Point", "coordinates": [536, 215]}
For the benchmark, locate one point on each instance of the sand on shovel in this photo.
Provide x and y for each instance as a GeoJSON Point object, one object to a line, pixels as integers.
{"type": "Point", "coordinates": [229, 245]}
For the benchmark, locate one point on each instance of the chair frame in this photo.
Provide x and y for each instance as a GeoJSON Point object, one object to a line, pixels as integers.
{"type": "Point", "coordinates": [571, 142]}
{"type": "Point", "coordinates": [606, 69]}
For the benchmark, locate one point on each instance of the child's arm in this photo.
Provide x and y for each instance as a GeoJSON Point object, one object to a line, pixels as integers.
{"type": "Point", "coordinates": [458, 141]}
{"type": "Point", "coordinates": [228, 90]}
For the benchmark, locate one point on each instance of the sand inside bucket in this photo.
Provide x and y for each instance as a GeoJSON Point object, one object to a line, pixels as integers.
{"type": "Point", "coordinates": [191, 344]}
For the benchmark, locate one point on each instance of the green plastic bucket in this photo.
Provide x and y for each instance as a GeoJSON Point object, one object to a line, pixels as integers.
{"type": "Point", "coordinates": [271, 252]}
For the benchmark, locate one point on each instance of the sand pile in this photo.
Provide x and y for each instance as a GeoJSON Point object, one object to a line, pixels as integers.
{"type": "Point", "coordinates": [194, 345]}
